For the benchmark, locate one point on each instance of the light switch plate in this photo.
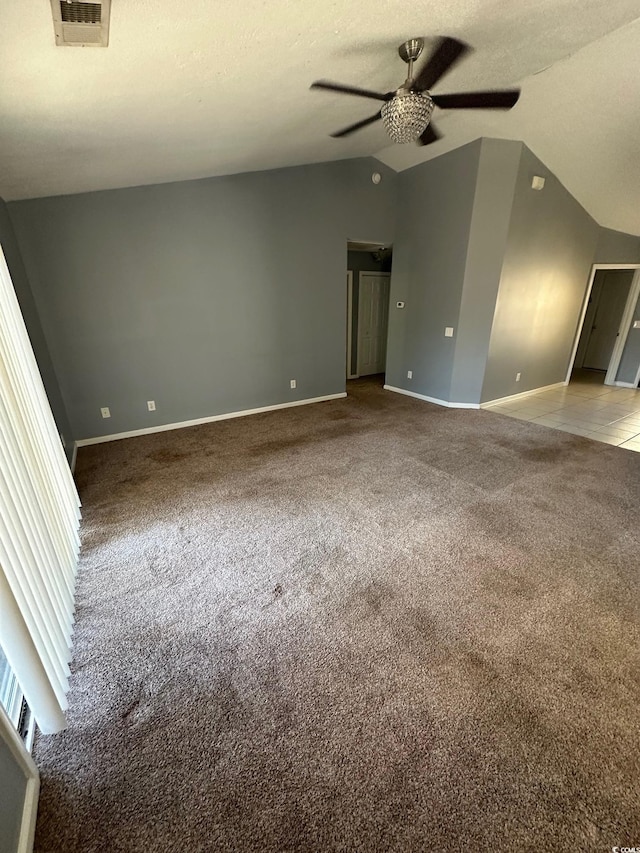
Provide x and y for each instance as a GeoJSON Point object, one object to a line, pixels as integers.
{"type": "Point", "coordinates": [448, 332]}
{"type": "Point", "coordinates": [636, 324]}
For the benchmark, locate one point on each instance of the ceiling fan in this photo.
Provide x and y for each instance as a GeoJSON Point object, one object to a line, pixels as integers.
{"type": "Point", "coordinates": [406, 112]}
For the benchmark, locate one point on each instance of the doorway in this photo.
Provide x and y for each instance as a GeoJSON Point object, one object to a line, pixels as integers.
{"type": "Point", "coordinates": [607, 315]}
{"type": "Point", "coordinates": [368, 287]}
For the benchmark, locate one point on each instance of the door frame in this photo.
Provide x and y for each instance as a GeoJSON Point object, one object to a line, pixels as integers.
{"type": "Point", "coordinates": [386, 275]}
{"type": "Point", "coordinates": [625, 325]}
{"type": "Point", "coordinates": [350, 375]}
{"type": "Point", "coordinates": [12, 740]}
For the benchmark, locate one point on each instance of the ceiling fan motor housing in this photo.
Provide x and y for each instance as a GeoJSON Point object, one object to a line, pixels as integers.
{"type": "Point", "coordinates": [407, 115]}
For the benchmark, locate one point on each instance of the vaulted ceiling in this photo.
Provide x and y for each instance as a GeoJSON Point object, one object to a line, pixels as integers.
{"type": "Point", "coordinates": [198, 89]}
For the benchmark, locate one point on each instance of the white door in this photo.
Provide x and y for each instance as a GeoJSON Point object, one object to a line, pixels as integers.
{"type": "Point", "coordinates": [607, 318]}
{"type": "Point", "coordinates": [373, 315]}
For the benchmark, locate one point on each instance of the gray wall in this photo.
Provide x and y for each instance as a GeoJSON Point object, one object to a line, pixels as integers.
{"type": "Point", "coordinates": [614, 247]}
{"type": "Point", "coordinates": [32, 322]}
{"type": "Point", "coordinates": [498, 168]}
{"type": "Point", "coordinates": [209, 296]}
{"type": "Point", "coordinates": [206, 296]}
{"type": "Point", "coordinates": [429, 256]}
{"type": "Point", "coordinates": [13, 788]}
{"type": "Point", "coordinates": [550, 249]}
{"type": "Point", "coordinates": [630, 361]}
{"type": "Point", "coordinates": [359, 262]}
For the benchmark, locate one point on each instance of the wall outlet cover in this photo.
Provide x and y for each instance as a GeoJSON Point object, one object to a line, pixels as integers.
{"type": "Point", "coordinates": [151, 405]}
{"type": "Point", "coordinates": [636, 324]}
{"type": "Point", "coordinates": [448, 332]}
{"type": "Point", "coordinates": [293, 383]}
{"type": "Point", "coordinates": [105, 412]}
{"type": "Point", "coordinates": [409, 374]}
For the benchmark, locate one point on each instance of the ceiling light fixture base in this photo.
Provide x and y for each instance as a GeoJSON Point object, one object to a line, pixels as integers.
{"type": "Point", "coordinates": [411, 49]}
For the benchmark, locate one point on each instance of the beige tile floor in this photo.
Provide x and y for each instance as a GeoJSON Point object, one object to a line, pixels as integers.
{"type": "Point", "coordinates": [584, 407]}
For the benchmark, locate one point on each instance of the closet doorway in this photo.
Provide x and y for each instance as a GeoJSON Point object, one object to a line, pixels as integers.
{"type": "Point", "coordinates": [368, 287]}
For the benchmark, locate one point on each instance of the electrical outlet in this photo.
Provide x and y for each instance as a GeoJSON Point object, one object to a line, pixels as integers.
{"type": "Point", "coordinates": [518, 375]}
{"type": "Point", "coordinates": [151, 405]}
{"type": "Point", "coordinates": [448, 332]}
{"type": "Point", "coordinates": [105, 412]}
{"type": "Point", "coordinates": [293, 383]}
{"type": "Point", "coordinates": [409, 374]}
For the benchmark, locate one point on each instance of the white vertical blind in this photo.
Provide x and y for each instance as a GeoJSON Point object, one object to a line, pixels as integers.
{"type": "Point", "coordinates": [39, 521]}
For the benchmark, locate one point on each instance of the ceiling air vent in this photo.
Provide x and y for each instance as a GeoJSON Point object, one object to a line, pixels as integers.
{"type": "Point", "coordinates": [80, 24]}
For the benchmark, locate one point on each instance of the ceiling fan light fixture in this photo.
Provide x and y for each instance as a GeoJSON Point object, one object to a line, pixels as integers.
{"type": "Point", "coordinates": [407, 115]}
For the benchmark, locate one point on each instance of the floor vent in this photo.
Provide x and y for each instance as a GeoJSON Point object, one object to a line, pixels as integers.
{"type": "Point", "coordinates": [80, 24]}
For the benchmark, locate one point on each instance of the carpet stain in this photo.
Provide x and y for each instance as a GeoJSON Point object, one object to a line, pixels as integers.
{"type": "Point", "coordinates": [377, 595]}
{"type": "Point", "coordinates": [167, 454]}
{"type": "Point", "coordinates": [542, 454]}
{"type": "Point", "coordinates": [503, 582]}
{"type": "Point", "coordinates": [267, 448]}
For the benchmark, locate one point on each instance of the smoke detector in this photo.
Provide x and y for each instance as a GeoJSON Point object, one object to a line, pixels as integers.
{"type": "Point", "coordinates": [78, 23]}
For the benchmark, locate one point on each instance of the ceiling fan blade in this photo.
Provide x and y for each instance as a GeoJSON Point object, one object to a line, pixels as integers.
{"type": "Point", "coordinates": [448, 51]}
{"type": "Point", "coordinates": [353, 127]}
{"type": "Point", "coordinates": [351, 90]}
{"type": "Point", "coordinates": [478, 100]}
{"type": "Point", "coordinates": [429, 135]}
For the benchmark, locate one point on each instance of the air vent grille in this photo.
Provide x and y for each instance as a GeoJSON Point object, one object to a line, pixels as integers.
{"type": "Point", "coordinates": [81, 34]}
{"type": "Point", "coordinates": [80, 13]}
{"type": "Point", "coordinates": [79, 24]}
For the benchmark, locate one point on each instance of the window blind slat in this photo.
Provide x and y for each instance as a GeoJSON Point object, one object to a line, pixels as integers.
{"type": "Point", "coordinates": [37, 472]}
{"type": "Point", "coordinates": [38, 438]}
{"type": "Point", "coordinates": [41, 628]}
{"type": "Point", "coordinates": [39, 525]}
{"type": "Point", "coordinates": [18, 551]}
{"type": "Point", "coordinates": [25, 497]}
{"type": "Point", "coordinates": [30, 371]}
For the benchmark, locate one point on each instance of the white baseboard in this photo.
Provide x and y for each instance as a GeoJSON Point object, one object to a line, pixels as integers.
{"type": "Point", "coordinates": [511, 397]}
{"type": "Point", "coordinates": [446, 403]}
{"type": "Point", "coordinates": [99, 439]}
{"type": "Point", "coordinates": [74, 456]}
{"type": "Point", "coordinates": [625, 385]}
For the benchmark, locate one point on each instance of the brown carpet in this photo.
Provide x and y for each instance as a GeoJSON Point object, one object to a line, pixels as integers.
{"type": "Point", "coordinates": [365, 625]}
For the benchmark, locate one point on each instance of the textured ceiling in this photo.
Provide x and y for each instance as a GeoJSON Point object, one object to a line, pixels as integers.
{"type": "Point", "coordinates": [223, 87]}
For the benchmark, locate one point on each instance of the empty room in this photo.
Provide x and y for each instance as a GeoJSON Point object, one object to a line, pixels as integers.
{"type": "Point", "coordinates": [319, 427]}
